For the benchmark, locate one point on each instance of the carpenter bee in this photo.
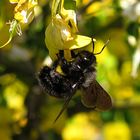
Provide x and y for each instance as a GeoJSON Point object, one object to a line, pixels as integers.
{"type": "Point", "coordinates": [79, 73]}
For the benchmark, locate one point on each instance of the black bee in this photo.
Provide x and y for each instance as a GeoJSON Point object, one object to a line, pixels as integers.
{"type": "Point", "coordinates": [79, 73]}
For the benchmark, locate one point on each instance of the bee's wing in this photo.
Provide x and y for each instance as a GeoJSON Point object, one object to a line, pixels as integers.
{"type": "Point", "coordinates": [95, 96]}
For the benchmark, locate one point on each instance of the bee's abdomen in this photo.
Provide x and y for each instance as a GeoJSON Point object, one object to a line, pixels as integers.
{"type": "Point", "coordinates": [54, 83]}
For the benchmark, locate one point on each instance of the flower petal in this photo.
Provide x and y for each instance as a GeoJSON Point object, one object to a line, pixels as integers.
{"type": "Point", "coordinates": [79, 41]}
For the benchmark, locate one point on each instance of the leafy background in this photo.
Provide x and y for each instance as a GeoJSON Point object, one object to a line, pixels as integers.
{"type": "Point", "coordinates": [27, 113]}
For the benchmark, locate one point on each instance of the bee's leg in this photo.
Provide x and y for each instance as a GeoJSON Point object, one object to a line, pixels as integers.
{"type": "Point", "coordinates": [73, 54]}
{"type": "Point", "coordinates": [65, 105]}
{"type": "Point", "coordinates": [77, 84]}
{"type": "Point", "coordinates": [55, 64]}
{"type": "Point", "coordinates": [68, 96]}
{"type": "Point", "coordinates": [64, 64]}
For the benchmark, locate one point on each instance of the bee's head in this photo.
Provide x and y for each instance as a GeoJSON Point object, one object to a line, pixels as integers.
{"type": "Point", "coordinates": [87, 59]}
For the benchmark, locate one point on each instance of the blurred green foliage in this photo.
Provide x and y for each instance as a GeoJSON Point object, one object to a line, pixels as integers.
{"type": "Point", "coordinates": [27, 113]}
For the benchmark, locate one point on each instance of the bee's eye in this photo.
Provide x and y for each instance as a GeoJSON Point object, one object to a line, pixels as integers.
{"type": "Point", "coordinates": [86, 59]}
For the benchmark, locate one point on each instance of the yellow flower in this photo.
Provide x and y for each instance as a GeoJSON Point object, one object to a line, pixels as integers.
{"type": "Point", "coordinates": [61, 33]}
{"type": "Point", "coordinates": [23, 14]}
{"type": "Point", "coordinates": [24, 11]}
{"type": "Point", "coordinates": [14, 94]}
{"type": "Point", "coordinates": [116, 131]}
{"type": "Point", "coordinates": [59, 36]}
{"type": "Point", "coordinates": [80, 128]}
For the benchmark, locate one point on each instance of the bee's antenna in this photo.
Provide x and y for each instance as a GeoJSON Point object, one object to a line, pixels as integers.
{"type": "Point", "coordinates": [93, 40]}
{"type": "Point", "coordinates": [102, 47]}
